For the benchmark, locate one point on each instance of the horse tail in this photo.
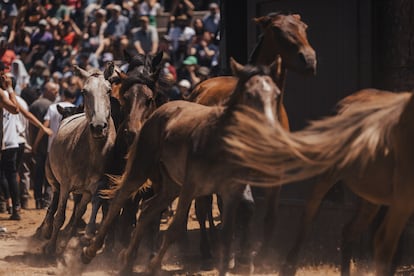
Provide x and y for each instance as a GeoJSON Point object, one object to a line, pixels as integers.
{"type": "Point", "coordinates": [355, 136]}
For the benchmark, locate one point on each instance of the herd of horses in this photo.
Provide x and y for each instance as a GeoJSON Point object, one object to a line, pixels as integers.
{"type": "Point", "coordinates": [232, 134]}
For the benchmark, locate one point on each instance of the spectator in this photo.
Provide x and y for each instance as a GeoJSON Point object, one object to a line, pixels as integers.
{"type": "Point", "coordinates": [212, 20]}
{"type": "Point", "coordinates": [58, 10]}
{"type": "Point", "coordinates": [53, 117]}
{"type": "Point", "coordinates": [42, 190]}
{"type": "Point", "coordinates": [117, 30]}
{"type": "Point", "coordinates": [185, 87]}
{"type": "Point", "coordinates": [35, 11]}
{"type": "Point", "coordinates": [188, 71]}
{"type": "Point", "coordinates": [180, 36]}
{"type": "Point", "coordinates": [8, 106]}
{"type": "Point", "coordinates": [20, 75]}
{"type": "Point", "coordinates": [179, 8]}
{"type": "Point", "coordinates": [6, 55]}
{"type": "Point", "coordinates": [206, 51]}
{"type": "Point", "coordinates": [8, 17]}
{"type": "Point", "coordinates": [150, 8]}
{"type": "Point", "coordinates": [146, 37]}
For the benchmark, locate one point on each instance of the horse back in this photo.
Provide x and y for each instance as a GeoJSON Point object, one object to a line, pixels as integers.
{"type": "Point", "coordinates": [213, 91]}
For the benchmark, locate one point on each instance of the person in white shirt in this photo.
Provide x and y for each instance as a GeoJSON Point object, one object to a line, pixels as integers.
{"type": "Point", "coordinates": [53, 117]}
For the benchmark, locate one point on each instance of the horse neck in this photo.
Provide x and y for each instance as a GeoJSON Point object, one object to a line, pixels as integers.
{"type": "Point", "coordinates": [263, 55]}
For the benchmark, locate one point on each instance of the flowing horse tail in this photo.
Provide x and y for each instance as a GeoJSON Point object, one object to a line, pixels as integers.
{"type": "Point", "coordinates": [360, 130]}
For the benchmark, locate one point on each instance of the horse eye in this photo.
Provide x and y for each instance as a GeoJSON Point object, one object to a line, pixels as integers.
{"type": "Point", "coordinates": [148, 102]}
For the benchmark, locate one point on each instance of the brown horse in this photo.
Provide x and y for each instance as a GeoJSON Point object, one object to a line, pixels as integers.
{"type": "Point", "coordinates": [180, 150]}
{"type": "Point", "coordinates": [90, 134]}
{"type": "Point", "coordinates": [368, 146]}
{"type": "Point", "coordinates": [283, 39]}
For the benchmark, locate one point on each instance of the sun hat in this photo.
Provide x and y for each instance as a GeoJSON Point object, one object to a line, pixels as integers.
{"type": "Point", "coordinates": [184, 83]}
{"type": "Point", "coordinates": [190, 60]}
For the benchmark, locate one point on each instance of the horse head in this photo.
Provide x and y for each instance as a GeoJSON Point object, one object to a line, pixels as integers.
{"type": "Point", "coordinates": [256, 89]}
{"type": "Point", "coordinates": [96, 92]}
{"type": "Point", "coordinates": [138, 98]}
{"type": "Point", "coordinates": [285, 35]}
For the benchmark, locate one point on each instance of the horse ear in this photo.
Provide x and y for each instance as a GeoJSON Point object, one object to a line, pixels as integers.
{"type": "Point", "coordinates": [60, 109]}
{"type": "Point", "coordinates": [109, 70]}
{"type": "Point", "coordinates": [235, 66]}
{"type": "Point", "coordinates": [157, 59]}
{"type": "Point", "coordinates": [80, 72]}
{"type": "Point", "coordinates": [263, 21]}
{"type": "Point", "coordinates": [297, 16]}
{"type": "Point", "coordinates": [274, 70]}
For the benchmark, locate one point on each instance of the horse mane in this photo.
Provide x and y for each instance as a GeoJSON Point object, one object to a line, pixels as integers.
{"type": "Point", "coordinates": [359, 133]}
{"type": "Point", "coordinates": [137, 79]}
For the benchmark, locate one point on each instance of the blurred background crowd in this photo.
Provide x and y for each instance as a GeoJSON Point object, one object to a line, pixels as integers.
{"type": "Point", "coordinates": [40, 40]}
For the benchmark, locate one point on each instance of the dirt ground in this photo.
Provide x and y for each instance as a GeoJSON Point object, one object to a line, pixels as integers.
{"type": "Point", "coordinates": [20, 254]}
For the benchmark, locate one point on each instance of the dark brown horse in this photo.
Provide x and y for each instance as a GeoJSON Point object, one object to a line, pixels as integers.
{"type": "Point", "coordinates": [137, 93]}
{"type": "Point", "coordinates": [180, 150]}
{"type": "Point", "coordinates": [90, 134]}
{"type": "Point", "coordinates": [368, 146]}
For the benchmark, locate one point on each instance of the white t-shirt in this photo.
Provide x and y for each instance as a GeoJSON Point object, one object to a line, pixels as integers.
{"type": "Point", "coordinates": [54, 118]}
{"type": "Point", "coordinates": [10, 135]}
{"type": "Point", "coordinates": [177, 34]}
{"type": "Point", "coordinates": [22, 122]}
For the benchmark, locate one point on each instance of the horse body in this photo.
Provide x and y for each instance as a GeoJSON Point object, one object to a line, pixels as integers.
{"type": "Point", "coordinates": [371, 153]}
{"type": "Point", "coordinates": [86, 141]}
{"type": "Point", "coordinates": [180, 146]}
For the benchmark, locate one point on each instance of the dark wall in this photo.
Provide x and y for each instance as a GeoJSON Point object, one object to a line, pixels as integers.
{"type": "Point", "coordinates": [233, 32]}
{"type": "Point", "coordinates": [393, 22]}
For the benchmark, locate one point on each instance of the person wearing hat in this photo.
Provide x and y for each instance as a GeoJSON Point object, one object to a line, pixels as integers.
{"type": "Point", "coordinates": [146, 37]}
{"type": "Point", "coordinates": [185, 87]}
{"type": "Point", "coordinates": [188, 70]}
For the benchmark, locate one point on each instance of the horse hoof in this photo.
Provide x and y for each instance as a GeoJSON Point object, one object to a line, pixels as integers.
{"type": "Point", "coordinates": [85, 257]}
{"type": "Point", "coordinates": [85, 240]}
{"type": "Point", "coordinates": [90, 230]}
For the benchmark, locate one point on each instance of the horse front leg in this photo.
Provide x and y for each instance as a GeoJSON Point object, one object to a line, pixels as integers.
{"type": "Point", "coordinates": [321, 188]}
{"type": "Point", "coordinates": [124, 192]}
{"type": "Point", "coordinates": [46, 228]}
{"type": "Point", "coordinates": [50, 246]}
{"type": "Point", "coordinates": [176, 228]}
{"type": "Point", "coordinates": [150, 213]}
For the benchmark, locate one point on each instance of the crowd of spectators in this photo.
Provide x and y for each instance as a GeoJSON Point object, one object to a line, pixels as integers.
{"type": "Point", "coordinates": [40, 41]}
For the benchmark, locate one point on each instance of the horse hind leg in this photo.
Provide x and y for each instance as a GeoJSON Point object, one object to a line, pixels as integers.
{"type": "Point", "coordinates": [388, 235]}
{"type": "Point", "coordinates": [320, 189]}
{"type": "Point", "coordinates": [352, 231]}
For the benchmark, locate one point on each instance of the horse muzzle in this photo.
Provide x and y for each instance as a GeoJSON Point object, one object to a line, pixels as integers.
{"type": "Point", "coordinates": [99, 130]}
